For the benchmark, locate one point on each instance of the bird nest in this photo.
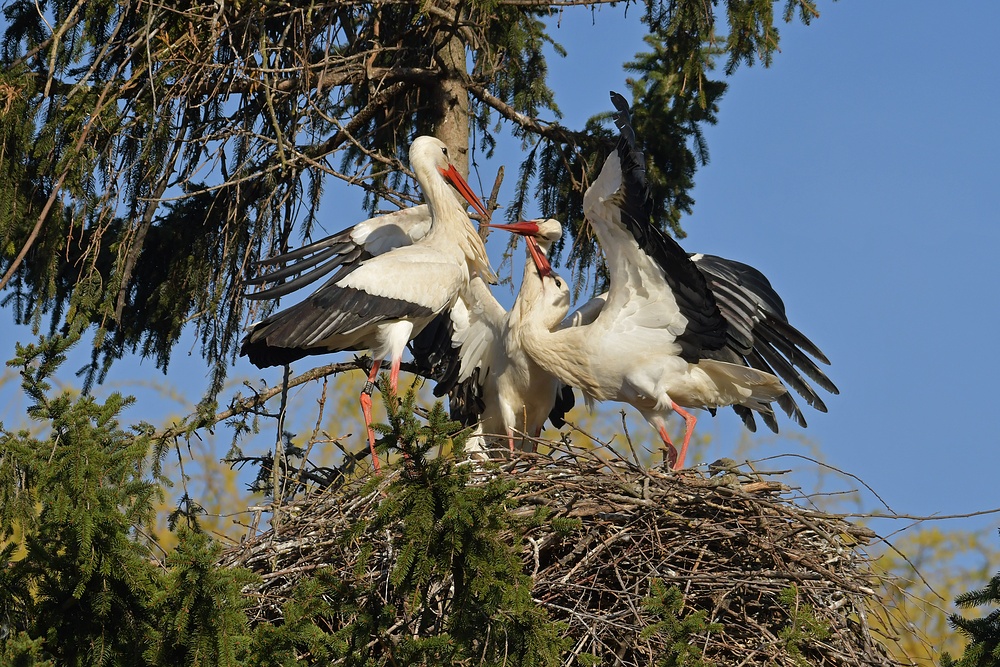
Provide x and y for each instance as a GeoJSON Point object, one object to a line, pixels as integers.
{"type": "Point", "coordinates": [639, 566]}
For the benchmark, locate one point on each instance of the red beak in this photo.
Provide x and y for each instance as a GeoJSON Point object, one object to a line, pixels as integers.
{"type": "Point", "coordinates": [541, 261]}
{"type": "Point", "coordinates": [529, 230]}
{"type": "Point", "coordinates": [522, 228]}
{"type": "Point", "coordinates": [452, 176]}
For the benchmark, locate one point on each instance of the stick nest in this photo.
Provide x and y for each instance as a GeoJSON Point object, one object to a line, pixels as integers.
{"type": "Point", "coordinates": [767, 582]}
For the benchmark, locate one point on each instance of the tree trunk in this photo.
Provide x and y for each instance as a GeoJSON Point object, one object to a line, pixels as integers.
{"type": "Point", "coordinates": [452, 123]}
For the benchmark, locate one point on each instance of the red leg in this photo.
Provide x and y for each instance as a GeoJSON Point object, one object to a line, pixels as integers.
{"type": "Point", "coordinates": [366, 408]}
{"type": "Point", "coordinates": [394, 385]}
{"type": "Point", "coordinates": [394, 374]}
{"type": "Point", "coordinates": [670, 456]}
{"type": "Point", "coordinates": [689, 421]}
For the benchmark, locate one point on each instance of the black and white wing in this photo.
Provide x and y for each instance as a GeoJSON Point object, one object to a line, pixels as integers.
{"type": "Point", "coordinates": [760, 336]}
{"type": "Point", "coordinates": [412, 283]}
{"type": "Point", "coordinates": [341, 251]}
{"type": "Point", "coordinates": [654, 286]}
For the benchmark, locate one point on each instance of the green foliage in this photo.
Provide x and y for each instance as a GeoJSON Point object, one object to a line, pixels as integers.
{"type": "Point", "coordinates": [451, 530]}
{"type": "Point", "coordinates": [304, 630]}
{"type": "Point", "coordinates": [198, 612]}
{"type": "Point", "coordinates": [803, 626]}
{"type": "Point", "coordinates": [666, 603]}
{"type": "Point", "coordinates": [20, 650]}
{"type": "Point", "coordinates": [514, 63]}
{"type": "Point", "coordinates": [79, 581]}
{"type": "Point", "coordinates": [983, 634]}
{"type": "Point", "coordinates": [671, 106]}
{"type": "Point", "coordinates": [457, 587]}
{"type": "Point", "coordinates": [563, 525]}
{"type": "Point", "coordinates": [76, 497]}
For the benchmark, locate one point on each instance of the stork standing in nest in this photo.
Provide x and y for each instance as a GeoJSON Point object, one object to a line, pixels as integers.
{"type": "Point", "coordinates": [495, 386]}
{"type": "Point", "coordinates": [659, 339]}
{"type": "Point", "coordinates": [378, 302]}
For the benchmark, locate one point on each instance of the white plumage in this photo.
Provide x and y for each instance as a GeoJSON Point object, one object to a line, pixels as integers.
{"type": "Point", "coordinates": [517, 395]}
{"type": "Point", "coordinates": [393, 276]}
{"type": "Point", "coordinates": [675, 331]}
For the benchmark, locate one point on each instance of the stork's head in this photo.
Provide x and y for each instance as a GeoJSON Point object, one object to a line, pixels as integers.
{"type": "Point", "coordinates": [553, 301]}
{"type": "Point", "coordinates": [429, 155]}
{"type": "Point", "coordinates": [540, 233]}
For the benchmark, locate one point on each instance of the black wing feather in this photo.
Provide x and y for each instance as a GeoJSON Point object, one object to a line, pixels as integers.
{"type": "Point", "coordinates": [733, 312]}
{"type": "Point", "coordinates": [344, 263]}
{"type": "Point", "coordinates": [565, 401]}
{"type": "Point", "coordinates": [438, 359]}
{"type": "Point", "coordinates": [323, 256]}
{"type": "Point", "coordinates": [337, 238]}
{"type": "Point", "coordinates": [761, 337]}
{"type": "Point", "coordinates": [295, 332]}
{"type": "Point", "coordinates": [706, 328]}
{"type": "Point", "coordinates": [299, 266]}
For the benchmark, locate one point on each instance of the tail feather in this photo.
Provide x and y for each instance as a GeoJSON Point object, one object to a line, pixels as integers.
{"type": "Point", "coordinates": [763, 387]}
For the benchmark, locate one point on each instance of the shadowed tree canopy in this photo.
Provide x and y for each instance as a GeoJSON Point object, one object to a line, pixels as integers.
{"type": "Point", "coordinates": [152, 151]}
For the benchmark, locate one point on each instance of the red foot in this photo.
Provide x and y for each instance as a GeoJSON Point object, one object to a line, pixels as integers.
{"type": "Point", "coordinates": [366, 408]}
{"type": "Point", "coordinates": [689, 422]}
{"type": "Point", "coordinates": [669, 451]}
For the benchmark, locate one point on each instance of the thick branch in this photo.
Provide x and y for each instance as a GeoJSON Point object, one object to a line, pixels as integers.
{"type": "Point", "coordinates": [553, 132]}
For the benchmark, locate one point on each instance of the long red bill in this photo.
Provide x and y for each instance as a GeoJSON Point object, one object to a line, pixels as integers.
{"type": "Point", "coordinates": [541, 261]}
{"type": "Point", "coordinates": [452, 176]}
{"type": "Point", "coordinates": [522, 228]}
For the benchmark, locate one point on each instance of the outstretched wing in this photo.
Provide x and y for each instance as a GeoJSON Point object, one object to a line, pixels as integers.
{"type": "Point", "coordinates": [342, 251]}
{"type": "Point", "coordinates": [760, 336]}
{"type": "Point", "coordinates": [654, 285]}
{"type": "Point", "coordinates": [410, 283]}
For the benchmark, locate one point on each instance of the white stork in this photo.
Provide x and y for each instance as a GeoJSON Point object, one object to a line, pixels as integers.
{"type": "Point", "coordinates": [660, 341]}
{"type": "Point", "coordinates": [759, 335]}
{"type": "Point", "coordinates": [379, 301]}
{"type": "Point", "coordinates": [495, 385]}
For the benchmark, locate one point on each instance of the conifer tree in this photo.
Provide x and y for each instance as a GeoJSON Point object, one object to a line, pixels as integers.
{"type": "Point", "coordinates": [452, 538]}
{"type": "Point", "coordinates": [152, 151]}
{"type": "Point", "coordinates": [81, 579]}
{"type": "Point", "coordinates": [983, 649]}
{"type": "Point", "coordinates": [83, 582]}
{"type": "Point", "coordinates": [198, 611]}
{"type": "Point", "coordinates": [75, 498]}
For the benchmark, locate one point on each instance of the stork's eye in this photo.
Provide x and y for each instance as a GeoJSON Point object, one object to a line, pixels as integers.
{"type": "Point", "coordinates": [444, 149]}
{"type": "Point", "coordinates": [558, 283]}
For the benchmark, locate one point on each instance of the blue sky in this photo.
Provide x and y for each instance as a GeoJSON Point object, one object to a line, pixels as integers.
{"type": "Point", "coordinates": [860, 174]}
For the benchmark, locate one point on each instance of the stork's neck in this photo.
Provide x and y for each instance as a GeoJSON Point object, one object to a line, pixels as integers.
{"type": "Point", "coordinates": [559, 353]}
{"type": "Point", "coordinates": [446, 211]}
{"type": "Point", "coordinates": [526, 307]}
{"type": "Point", "coordinates": [450, 226]}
